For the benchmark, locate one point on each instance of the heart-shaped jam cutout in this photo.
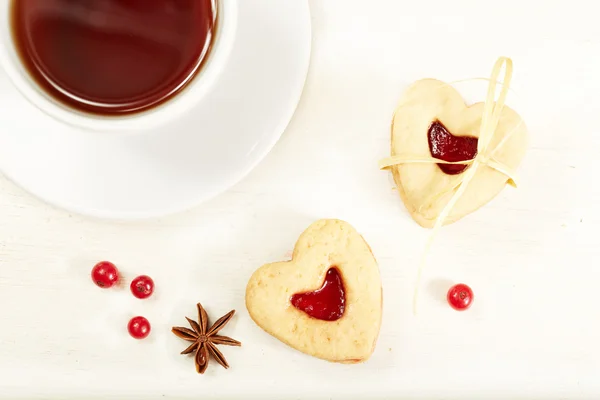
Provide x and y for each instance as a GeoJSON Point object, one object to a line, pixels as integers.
{"type": "Point", "coordinates": [448, 147]}
{"type": "Point", "coordinates": [328, 302]}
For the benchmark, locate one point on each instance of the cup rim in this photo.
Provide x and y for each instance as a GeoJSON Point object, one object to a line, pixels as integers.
{"type": "Point", "coordinates": [156, 116]}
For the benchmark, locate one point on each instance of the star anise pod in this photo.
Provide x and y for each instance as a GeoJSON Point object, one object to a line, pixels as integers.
{"type": "Point", "coordinates": [205, 339]}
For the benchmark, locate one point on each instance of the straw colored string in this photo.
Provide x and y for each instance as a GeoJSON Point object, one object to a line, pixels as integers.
{"type": "Point", "coordinates": [489, 122]}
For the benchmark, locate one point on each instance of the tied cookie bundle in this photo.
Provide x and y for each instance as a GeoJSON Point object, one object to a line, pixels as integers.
{"type": "Point", "coordinates": [449, 159]}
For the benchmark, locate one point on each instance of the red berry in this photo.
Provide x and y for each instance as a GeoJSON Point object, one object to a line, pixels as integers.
{"type": "Point", "coordinates": [138, 327]}
{"type": "Point", "coordinates": [105, 274]}
{"type": "Point", "coordinates": [142, 286]}
{"type": "Point", "coordinates": [460, 297]}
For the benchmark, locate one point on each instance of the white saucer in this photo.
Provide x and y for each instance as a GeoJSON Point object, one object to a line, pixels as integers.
{"type": "Point", "coordinates": [180, 165]}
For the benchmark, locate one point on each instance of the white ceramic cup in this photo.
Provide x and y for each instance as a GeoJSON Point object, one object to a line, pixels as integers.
{"type": "Point", "coordinates": [153, 117]}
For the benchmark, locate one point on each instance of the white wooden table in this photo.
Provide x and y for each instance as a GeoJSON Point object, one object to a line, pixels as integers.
{"type": "Point", "coordinates": [530, 256]}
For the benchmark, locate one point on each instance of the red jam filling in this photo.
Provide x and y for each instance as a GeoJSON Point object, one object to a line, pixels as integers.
{"type": "Point", "coordinates": [445, 146]}
{"type": "Point", "coordinates": [328, 302]}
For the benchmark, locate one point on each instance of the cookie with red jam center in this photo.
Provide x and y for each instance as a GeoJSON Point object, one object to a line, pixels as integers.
{"type": "Point", "coordinates": [433, 121]}
{"type": "Point", "coordinates": [327, 300]}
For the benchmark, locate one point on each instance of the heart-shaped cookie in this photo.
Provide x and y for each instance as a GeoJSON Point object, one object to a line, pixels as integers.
{"type": "Point", "coordinates": [326, 301]}
{"type": "Point", "coordinates": [432, 120]}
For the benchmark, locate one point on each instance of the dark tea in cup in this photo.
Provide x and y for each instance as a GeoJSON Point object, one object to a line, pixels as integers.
{"type": "Point", "coordinates": [113, 57]}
